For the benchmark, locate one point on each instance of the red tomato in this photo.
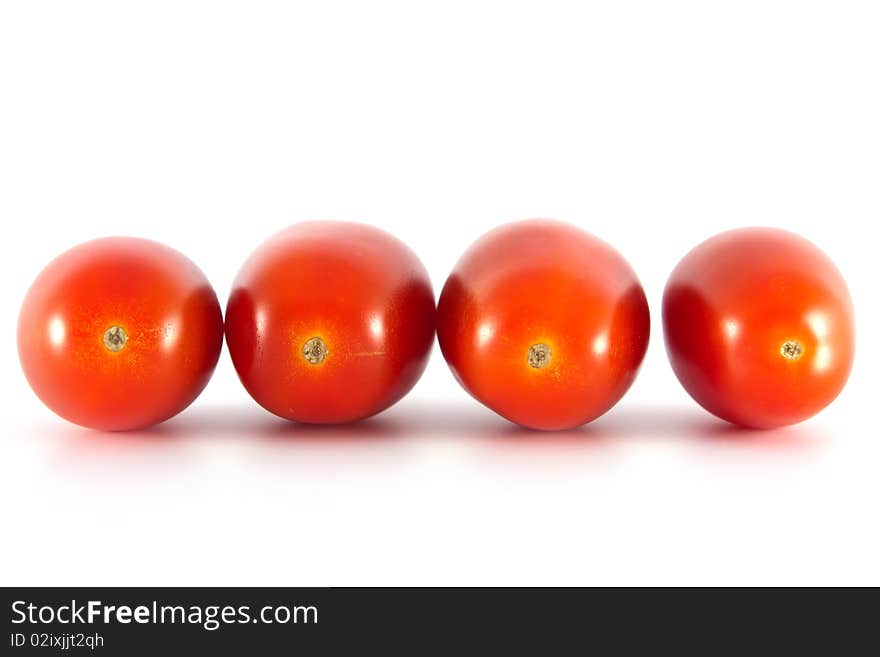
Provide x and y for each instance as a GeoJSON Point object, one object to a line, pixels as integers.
{"type": "Point", "coordinates": [119, 333]}
{"type": "Point", "coordinates": [759, 327]}
{"type": "Point", "coordinates": [543, 323]}
{"type": "Point", "coordinates": [330, 322]}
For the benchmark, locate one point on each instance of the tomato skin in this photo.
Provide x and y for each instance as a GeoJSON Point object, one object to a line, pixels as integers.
{"type": "Point", "coordinates": [358, 290]}
{"type": "Point", "coordinates": [545, 284]}
{"type": "Point", "coordinates": [758, 324]}
{"type": "Point", "coordinates": [171, 321]}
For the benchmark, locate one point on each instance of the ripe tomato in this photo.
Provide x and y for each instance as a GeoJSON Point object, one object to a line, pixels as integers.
{"type": "Point", "coordinates": [759, 327]}
{"type": "Point", "coordinates": [119, 333]}
{"type": "Point", "coordinates": [543, 323]}
{"type": "Point", "coordinates": [330, 322]}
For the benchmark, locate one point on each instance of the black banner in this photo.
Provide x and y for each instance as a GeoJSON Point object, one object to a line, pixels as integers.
{"type": "Point", "coordinates": [171, 621]}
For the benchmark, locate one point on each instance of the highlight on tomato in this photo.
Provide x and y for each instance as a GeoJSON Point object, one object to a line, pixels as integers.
{"type": "Point", "coordinates": [543, 323]}
{"type": "Point", "coordinates": [119, 333]}
{"type": "Point", "coordinates": [330, 322]}
{"type": "Point", "coordinates": [758, 324]}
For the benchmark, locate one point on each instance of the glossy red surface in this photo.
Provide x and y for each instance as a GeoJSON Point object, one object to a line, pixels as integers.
{"type": "Point", "coordinates": [758, 325]}
{"type": "Point", "coordinates": [543, 287]}
{"type": "Point", "coordinates": [359, 293]}
{"type": "Point", "coordinates": [166, 310]}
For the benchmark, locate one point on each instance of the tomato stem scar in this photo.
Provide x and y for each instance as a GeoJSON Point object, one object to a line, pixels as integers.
{"type": "Point", "coordinates": [791, 350]}
{"type": "Point", "coordinates": [539, 355]}
{"type": "Point", "coordinates": [315, 351]}
{"type": "Point", "coordinates": [115, 338]}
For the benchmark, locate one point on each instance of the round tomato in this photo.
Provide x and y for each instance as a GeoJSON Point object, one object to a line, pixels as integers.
{"type": "Point", "coordinates": [759, 327]}
{"type": "Point", "coordinates": [119, 333]}
{"type": "Point", "coordinates": [543, 323]}
{"type": "Point", "coordinates": [330, 322]}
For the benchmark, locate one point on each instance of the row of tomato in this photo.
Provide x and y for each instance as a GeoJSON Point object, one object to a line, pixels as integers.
{"type": "Point", "coordinates": [333, 322]}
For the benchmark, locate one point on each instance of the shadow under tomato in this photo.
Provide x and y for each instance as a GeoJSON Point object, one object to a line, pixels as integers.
{"type": "Point", "coordinates": [470, 421]}
{"type": "Point", "coordinates": [105, 456]}
{"type": "Point", "coordinates": [369, 430]}
{"type": "Point", "coordinates": [696, 425]}
{"type": "Point", "coordinates": [792, 437]}
{"type": "Point", "coordinates": [462, 420]}
{"type": "Point", "coordinates": [622, 424]}
{"type": "Point", "coordinates": [252, 422]}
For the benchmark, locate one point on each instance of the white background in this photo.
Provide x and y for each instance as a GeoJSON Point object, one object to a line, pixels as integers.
{"type": "Point", "coordinates": [209, 126]}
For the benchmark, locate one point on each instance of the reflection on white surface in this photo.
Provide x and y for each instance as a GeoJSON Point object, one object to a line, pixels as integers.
{"type": "Point", "coordinates": [224, 477]}
{"type": "Point", "coordinates": [57, 331]}
{"type": "Point", "coordinates": [225, 429]}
